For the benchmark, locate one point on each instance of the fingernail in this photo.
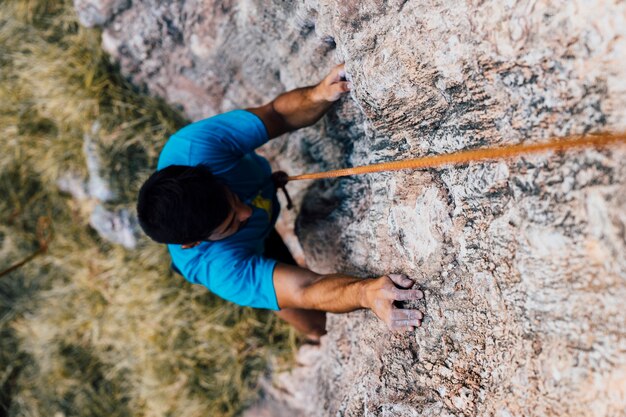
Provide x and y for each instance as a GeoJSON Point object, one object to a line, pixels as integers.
{"type": "Point", "coordinates": [349, 86]}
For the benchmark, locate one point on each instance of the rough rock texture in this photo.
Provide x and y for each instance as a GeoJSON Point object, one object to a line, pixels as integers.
{"type": "Point", "coordinates": [523, 262]}
{"type": "Point", "coordinates": [117, 225]}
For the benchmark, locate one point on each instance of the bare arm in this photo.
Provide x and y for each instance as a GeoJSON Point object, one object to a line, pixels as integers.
{"type": "Point", "coordinates": [301, 288]}
{"type": "Point", "coordinates": [303, 106]}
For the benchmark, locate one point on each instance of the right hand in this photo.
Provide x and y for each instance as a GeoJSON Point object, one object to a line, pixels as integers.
{"type": "Point", "coordinates": [380, 293]}
{"type": "Point", "coordinates": [334, 85]}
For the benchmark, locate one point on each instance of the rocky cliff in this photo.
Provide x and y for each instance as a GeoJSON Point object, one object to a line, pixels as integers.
{"type": "Point", "coordinates": [523, 262]}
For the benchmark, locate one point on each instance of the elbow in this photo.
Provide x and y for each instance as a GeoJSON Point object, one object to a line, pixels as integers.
{"type": "Point", "coordinates": [280, 123]}
{"type": "Point", "coordinates": [306, 293]}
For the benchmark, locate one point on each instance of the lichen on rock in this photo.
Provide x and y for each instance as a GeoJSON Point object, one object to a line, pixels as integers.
{"type": "Point", "coordinates": [522, 261]}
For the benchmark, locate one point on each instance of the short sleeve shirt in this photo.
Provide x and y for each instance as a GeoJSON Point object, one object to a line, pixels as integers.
{"type": "Point", "coordinates": [233, 268]}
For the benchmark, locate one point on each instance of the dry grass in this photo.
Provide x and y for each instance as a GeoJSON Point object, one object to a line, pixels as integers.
{"type": "Point", "coordinates": [90, 328]}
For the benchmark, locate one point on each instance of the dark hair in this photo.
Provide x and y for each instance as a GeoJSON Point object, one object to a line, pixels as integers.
{"type": "Point", "coordinates": [182, 204]}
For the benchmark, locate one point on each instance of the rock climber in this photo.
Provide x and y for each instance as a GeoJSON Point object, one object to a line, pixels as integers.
{"type": "Point", "coordinates": [212, 201]}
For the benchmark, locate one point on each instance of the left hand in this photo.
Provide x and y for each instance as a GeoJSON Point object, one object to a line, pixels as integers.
{"type": "Point", "coordinates": [380, 294]}
{"type": "Point", "coordinates": [334, 85]}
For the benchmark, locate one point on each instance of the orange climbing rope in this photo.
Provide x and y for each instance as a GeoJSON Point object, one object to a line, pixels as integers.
{"type": "Point", "coordinates": [598, 139]}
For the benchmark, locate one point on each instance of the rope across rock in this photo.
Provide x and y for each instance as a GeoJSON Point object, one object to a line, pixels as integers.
{"type": "Point", "coordinates": [484, 154]}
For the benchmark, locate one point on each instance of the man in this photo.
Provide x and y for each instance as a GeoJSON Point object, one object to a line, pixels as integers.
{"type": "Point", "coordinates": [213, 202]}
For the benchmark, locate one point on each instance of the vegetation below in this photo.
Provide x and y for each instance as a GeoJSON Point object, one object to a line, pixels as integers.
{"type": "Point", "coordinates": [86, 327]}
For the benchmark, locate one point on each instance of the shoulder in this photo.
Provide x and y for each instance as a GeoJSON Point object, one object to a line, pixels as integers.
{"type": "Point", "coordinates": [221, 124]}
{"type": "Point", "coordinates": [233, 272]}
{"type": "Point", "coordinates": [218, 141]}
{"type": "Point", "coordinates": [205, 256]}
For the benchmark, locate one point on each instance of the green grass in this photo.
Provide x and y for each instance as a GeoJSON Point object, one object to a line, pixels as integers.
{"type": "Point", "coordinates": [90, 328]}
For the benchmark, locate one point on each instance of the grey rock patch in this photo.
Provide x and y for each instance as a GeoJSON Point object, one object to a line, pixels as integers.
{"type": "Point", "coordinates": [118, 226]}
{"type": "Point", "coordinates": [73, 184]}
{"type": "Point", "coordinates": [97, 186]}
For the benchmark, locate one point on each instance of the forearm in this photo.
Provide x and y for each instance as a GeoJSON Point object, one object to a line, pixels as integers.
{"type": "Point", "coordinates": [300, 107]}
{"type": "Point", "coordinates": [335, 293]}
{"type": "Point", "coordinates": [303, 106]}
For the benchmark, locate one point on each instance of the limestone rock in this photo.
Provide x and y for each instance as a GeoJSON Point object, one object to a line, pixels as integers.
{"type": "Point", "coordinates": [523, 262]}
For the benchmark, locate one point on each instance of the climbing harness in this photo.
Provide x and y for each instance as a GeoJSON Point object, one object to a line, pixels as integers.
{"type": "Point", "coordinates": [281, 179]}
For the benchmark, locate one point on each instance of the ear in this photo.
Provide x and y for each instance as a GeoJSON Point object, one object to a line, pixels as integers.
{"type": "Point", "coordinates": [190, 245]}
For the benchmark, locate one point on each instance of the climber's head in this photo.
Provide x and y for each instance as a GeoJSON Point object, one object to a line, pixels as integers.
{"type": "Point", "coordinates": [185, 205]}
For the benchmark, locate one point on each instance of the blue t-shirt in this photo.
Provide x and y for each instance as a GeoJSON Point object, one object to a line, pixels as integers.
{"type": "Point", "coordinates": [234, 267]}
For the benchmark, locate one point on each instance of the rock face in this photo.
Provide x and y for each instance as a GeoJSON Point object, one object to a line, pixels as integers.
{"type": "Point", "coordinates": [523, 262]}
